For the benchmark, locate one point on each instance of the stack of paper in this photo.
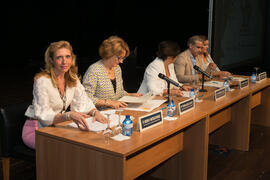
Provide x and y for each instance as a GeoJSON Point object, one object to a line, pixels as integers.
{"type": "Point", "coordinates": [147, 106]}
{"type": "Point", "coordinates": [217, 84]}
{"type": "Point", "coordinates": [133, 99]}
{"type": "Point", "coordinates": [98, 126]}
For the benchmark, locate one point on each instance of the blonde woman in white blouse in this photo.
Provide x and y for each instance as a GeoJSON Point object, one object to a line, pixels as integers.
{"type": "Point", "coordinates": [55, 89]}
{"type": "Point", "coordinates": [164, 63]}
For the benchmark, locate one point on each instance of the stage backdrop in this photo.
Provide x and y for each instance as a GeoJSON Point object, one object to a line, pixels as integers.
{"type": "Point", "coordinates": [238, 32]}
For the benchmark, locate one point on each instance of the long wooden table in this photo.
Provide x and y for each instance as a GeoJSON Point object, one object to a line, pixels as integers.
{"type": "Point", "coordinates": [66, 153]}
{"type": "Point", "coordinates": [179, 148]}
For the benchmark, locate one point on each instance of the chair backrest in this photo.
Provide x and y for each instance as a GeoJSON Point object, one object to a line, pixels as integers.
{"type": "Point", "coordinates": [11, 123]}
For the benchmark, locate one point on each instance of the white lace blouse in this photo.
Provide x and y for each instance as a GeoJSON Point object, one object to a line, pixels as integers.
{"type": "Point", "coordinates": [47, 101]}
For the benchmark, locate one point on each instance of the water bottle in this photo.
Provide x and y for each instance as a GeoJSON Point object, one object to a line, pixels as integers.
{"type": "Point", "coordinates": [253, 78]}
{"type": "Point", "coordinates": [192, 93]}
{"type": "Point", "coordinates": [226, 85]}
{"type": "Point", "coordinates": [127, 126]}
{"type": "Point", "coordinates": [171, 107]}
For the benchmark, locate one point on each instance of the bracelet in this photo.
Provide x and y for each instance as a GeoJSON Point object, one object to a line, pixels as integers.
{"type": "Point", "coordinates": [94, 112]}
{"type": "Point", "coordinates": [67, 116]}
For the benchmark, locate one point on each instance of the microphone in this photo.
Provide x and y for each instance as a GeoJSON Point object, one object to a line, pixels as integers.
{"type": "Point", "coordinates": [162, 76]}
{"type": "Point", "coordinates": [201, 71]}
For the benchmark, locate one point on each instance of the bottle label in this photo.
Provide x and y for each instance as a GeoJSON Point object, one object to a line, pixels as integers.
{"type": "Point", "coordinates": [128, 126]}
{"type": "Point", "coordinates": [170, 111]}
{"type": "Point", "coordinates": [127, 131]}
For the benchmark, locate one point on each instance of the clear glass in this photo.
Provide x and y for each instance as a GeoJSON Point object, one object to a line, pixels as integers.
{"type": "Point", "coordinates": [118, 128]}
{"type": "Point", "coordinates": [107, 133]}
{"type": "Point", "coordinates": [256, 69]}
{"type": "Point", "coordinates": [196, 86]}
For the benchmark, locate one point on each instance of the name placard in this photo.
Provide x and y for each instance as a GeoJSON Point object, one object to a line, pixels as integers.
{"type": "Point", "coordinates": [219, 93]}
{"type": "Point", "coordinates": [262, 76]}
{"type": "Point", "coordinates": [150, 120]}
{"type": "Point", "coordinates": [243, 83]}
{"type": "Point", "coordinates": [186, 105]}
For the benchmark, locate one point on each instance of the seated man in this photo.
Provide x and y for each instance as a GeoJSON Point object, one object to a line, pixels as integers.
{"type": "Point", "coordinates": [185, 61]}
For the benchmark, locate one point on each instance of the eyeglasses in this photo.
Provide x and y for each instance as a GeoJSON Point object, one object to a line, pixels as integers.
{"type": "Point", "coordinates": [120, 58]}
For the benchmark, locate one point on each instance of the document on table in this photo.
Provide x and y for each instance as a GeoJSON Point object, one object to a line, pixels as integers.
{"type": "Point", "coordinates": [98, 126]}
{"type": "Point", "coordinates": [238, 78]}
{"type": "Point", "coordinates": [133, 99]}
{"type": "Point", "coordinates": [217, 84]}
{"type": "Point", "coordinates": [185, 93]}
{"type": "Point", "coordinates": [147, 106]}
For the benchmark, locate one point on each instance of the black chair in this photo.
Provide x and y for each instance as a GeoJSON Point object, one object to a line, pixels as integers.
{"type": "Point", "coordinates": [11, 123]}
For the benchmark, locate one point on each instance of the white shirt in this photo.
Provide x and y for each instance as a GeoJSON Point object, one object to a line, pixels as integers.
{"type": "Point", "coordinates": [151, 81]}
{"type": "Point", "coordinates": [47, 101]}
{"type": "Point", "coordinates": [193, 61]}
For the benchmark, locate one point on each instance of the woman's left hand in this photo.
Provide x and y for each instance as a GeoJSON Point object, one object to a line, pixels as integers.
{"type": "Point", "coordinates": [135, 94]}
{"type": "Point", "coordinates": [99, 117]}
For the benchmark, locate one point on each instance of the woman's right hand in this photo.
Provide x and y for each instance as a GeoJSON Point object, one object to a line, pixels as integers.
{"type": "Point", "coordinates": [116, 104]}
{"type": "Point", "coordinates": [212, 66]}
{"type": "Point", "coordinates": [176, 92]}
{"type": "Point", "coordinates": [80, 119]}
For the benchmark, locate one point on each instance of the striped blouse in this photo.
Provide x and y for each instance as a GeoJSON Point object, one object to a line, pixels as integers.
{"type": "Point", "coordinates": [99, 86]}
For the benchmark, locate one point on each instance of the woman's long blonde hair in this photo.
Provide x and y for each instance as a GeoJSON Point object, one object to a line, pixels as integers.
{"type": "Point", "coordinates": [70, 76]}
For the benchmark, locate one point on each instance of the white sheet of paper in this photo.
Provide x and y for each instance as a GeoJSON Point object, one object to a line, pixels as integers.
{"type": "Point", "coordinates": [147, 106]}
{"type": "Point", "coordinates": [120, 137]}
{"type": "Point", "coordinates": [217, 84]}
{"type": "Point", "coordinates": [97, 126]}
{"type": "Point", "coordinates": [237, 79]}
{"type": "Point", "coordinates": [186, 93]}
{"type": "Point", "coordinates": [170, 118]}
{"type": "Point", "coordinates": [133, 99]}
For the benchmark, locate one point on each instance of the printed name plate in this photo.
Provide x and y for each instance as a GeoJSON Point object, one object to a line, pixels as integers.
{"type": "Point", "coordinates": [220, 93]}
{"type": "Point", "coordinates": [150, 120]}
{"type": "Point", "coordinates": [262, 76]}
{"type": "Point", "coordinates": [186, 105]}
{"type": "Point", "coordinates": [243, 83]}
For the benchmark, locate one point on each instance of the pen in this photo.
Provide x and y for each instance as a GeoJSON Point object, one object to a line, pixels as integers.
{"type": "Point", "coordinates": [200, 96]}
{"type": "Point", "coordinates": [163, 108]}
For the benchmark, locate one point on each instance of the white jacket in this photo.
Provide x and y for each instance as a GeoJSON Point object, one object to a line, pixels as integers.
{"type": "Point", "coordinates": [151, 81]}
{"type": "Point", "coordinates": [47, 101]}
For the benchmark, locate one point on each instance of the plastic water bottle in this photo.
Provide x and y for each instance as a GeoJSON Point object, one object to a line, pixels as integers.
{"type": "Point", "coordinates": [127, 126]}
{"type": "Point", "coordinates": [192, 93]}
{"type": "Point", "coordinates": [171, 107]}
{"type": "Point", "coordinates": [226, 85]}
{"type": "Point", "coordinates": [253, 78]}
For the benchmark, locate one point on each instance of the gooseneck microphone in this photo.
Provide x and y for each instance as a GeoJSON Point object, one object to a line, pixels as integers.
{"type": "Point", "coordinates": [162, 76]}
{"type": "Point", "coordinates": [201, 71]}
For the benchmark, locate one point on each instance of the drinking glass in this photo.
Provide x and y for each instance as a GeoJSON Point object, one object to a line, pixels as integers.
{"type": "Point", "coordinates": [196, 86]}
{"type": "Point", "coordinates": [118, 128]}
{"type": "Point", "coordinates": [256, 69]}
{"type": "Point", "coordinates": [107, 133]}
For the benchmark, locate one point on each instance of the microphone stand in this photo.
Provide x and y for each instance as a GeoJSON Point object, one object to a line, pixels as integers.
{"type": "Point", "coordinates": [202, 89]}
{"type": "Point", "coordinates": [168, 83]}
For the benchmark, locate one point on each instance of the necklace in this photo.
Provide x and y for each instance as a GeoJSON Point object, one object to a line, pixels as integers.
{"type": "Point", "coordinates": [64, 99]}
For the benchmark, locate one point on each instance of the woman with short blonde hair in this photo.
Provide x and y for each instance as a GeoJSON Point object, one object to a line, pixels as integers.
{"type": "Point", "coordinates": [103, 80]}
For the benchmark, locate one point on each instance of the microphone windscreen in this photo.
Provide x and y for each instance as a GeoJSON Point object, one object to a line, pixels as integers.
{"type": "Point", "coordinates": [161, 75]}
{"type": "Point", "coordinates": [196, 67]}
